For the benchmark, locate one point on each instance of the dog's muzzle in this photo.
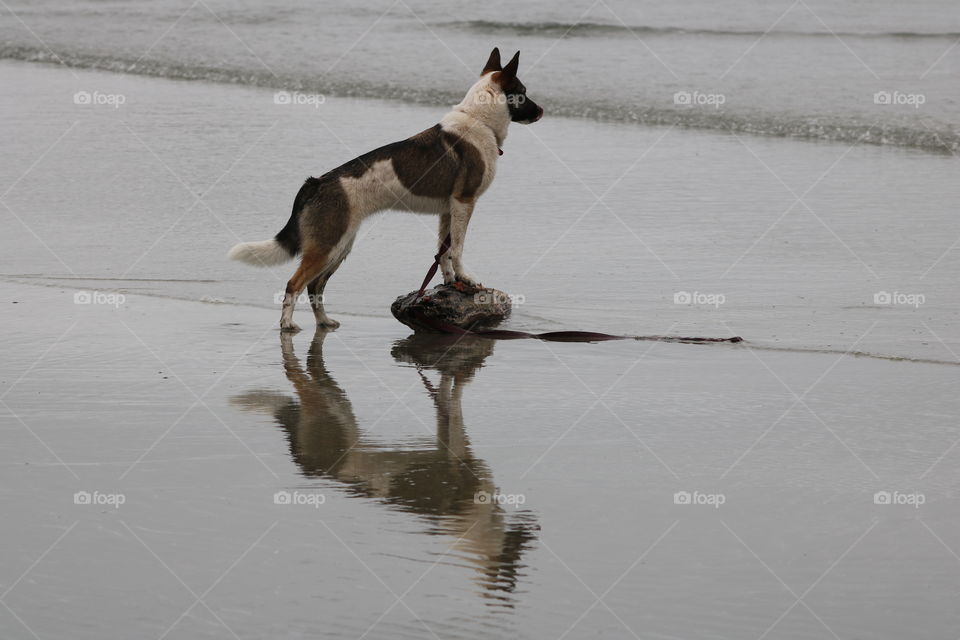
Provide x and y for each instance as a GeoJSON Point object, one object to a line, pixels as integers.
{"type": "Point", "coordinates": [532, 120]}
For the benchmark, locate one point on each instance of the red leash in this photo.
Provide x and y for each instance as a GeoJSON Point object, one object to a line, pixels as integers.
{"type": "Point", "coordinates": [432, 271]}
{"type": "Point", "coordinates": [555, 336]}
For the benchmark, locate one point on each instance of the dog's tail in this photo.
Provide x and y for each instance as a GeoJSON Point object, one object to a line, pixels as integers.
{"type": "Point", "coordinates": [284, 246]}
{"type": "Point", "coordinates": [264, 253]}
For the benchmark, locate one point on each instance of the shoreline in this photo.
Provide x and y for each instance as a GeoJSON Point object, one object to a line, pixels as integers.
{"type": "Point", "coordinates": [801, 128]}
{"type": "Point", "coordinates": [766, 405]}
{"type": "Point", "coordinates": [307, 327]}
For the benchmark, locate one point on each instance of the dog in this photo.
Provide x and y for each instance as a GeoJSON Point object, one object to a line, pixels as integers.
{"type": "Point", "coordinates": [442, 171]}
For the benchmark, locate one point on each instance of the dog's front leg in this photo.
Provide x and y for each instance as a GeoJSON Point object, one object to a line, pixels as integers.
{"type": "Point", "coordinates": [460, 212]}
{"type": "Point", "coordinates": [446, 264]}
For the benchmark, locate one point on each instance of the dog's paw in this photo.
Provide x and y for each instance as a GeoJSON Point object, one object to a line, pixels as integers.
{"type": "Point", "coordinates": [468, 281]}
{"type": "Point", "coordinates": [328, 323]}
{"type": "Point", "coordinates": [289, 327]}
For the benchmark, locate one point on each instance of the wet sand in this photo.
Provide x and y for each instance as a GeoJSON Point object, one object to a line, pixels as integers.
{"type": "Point", "coordinates": [199, 423]}
{"type": "Point", "coordinates": [478, 489]}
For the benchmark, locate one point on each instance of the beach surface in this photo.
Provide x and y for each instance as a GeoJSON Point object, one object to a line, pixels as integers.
{"type": "Point", "coordinates": [173, 467]}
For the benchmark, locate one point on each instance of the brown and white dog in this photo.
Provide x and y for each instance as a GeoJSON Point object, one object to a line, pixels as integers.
{"type": "Point", "coordinates": [442, 170]}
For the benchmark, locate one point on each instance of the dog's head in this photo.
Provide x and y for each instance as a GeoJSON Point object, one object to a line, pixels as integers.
{"type": "Point", "coordinates": [522, 109]}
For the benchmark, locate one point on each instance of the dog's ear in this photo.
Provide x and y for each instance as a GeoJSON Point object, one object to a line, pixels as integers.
{"type": "Point", "coordinates": [493, 62]}
{"type": "Point", "coordinates": [510, 71]}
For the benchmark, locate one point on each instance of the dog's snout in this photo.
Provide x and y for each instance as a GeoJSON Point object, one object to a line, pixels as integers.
{"type": "Point", "coordinates": [530, 113]}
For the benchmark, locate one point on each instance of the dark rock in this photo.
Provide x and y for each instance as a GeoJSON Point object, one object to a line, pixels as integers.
{"type": "Point", "coordinates": [448, 306]}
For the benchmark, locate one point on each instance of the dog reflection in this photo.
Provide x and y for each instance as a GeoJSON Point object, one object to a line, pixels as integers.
{"type": "Point", "coordinates": [445, 482]}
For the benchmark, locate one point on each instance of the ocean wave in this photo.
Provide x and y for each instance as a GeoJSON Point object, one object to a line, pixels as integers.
{"type": "Point", "coordinates": [929, 137]}
{"type": "Point", "coordinates": [588, 29]}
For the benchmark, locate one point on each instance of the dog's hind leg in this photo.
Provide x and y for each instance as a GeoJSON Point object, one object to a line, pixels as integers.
{"type": "Point", "coordinates": [326, 233]}
{"type": "Point", "coordinates": [316, 286]}
{"type": "Point", "coordinates": [312, 265]}
{"type": "Point", "coordinates": [315, 293]}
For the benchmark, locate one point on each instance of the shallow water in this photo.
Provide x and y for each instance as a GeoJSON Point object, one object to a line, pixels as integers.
{"type": "Point", "coordinates": [387, 447]}
{"type": "Point", "coordinates": [806, 69]}
{"type": "Point", "coordinates": [182, 398]}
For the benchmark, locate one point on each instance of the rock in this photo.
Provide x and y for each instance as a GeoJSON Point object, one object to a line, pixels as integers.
{"type": "Point", "coordinates": [452, 306]}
